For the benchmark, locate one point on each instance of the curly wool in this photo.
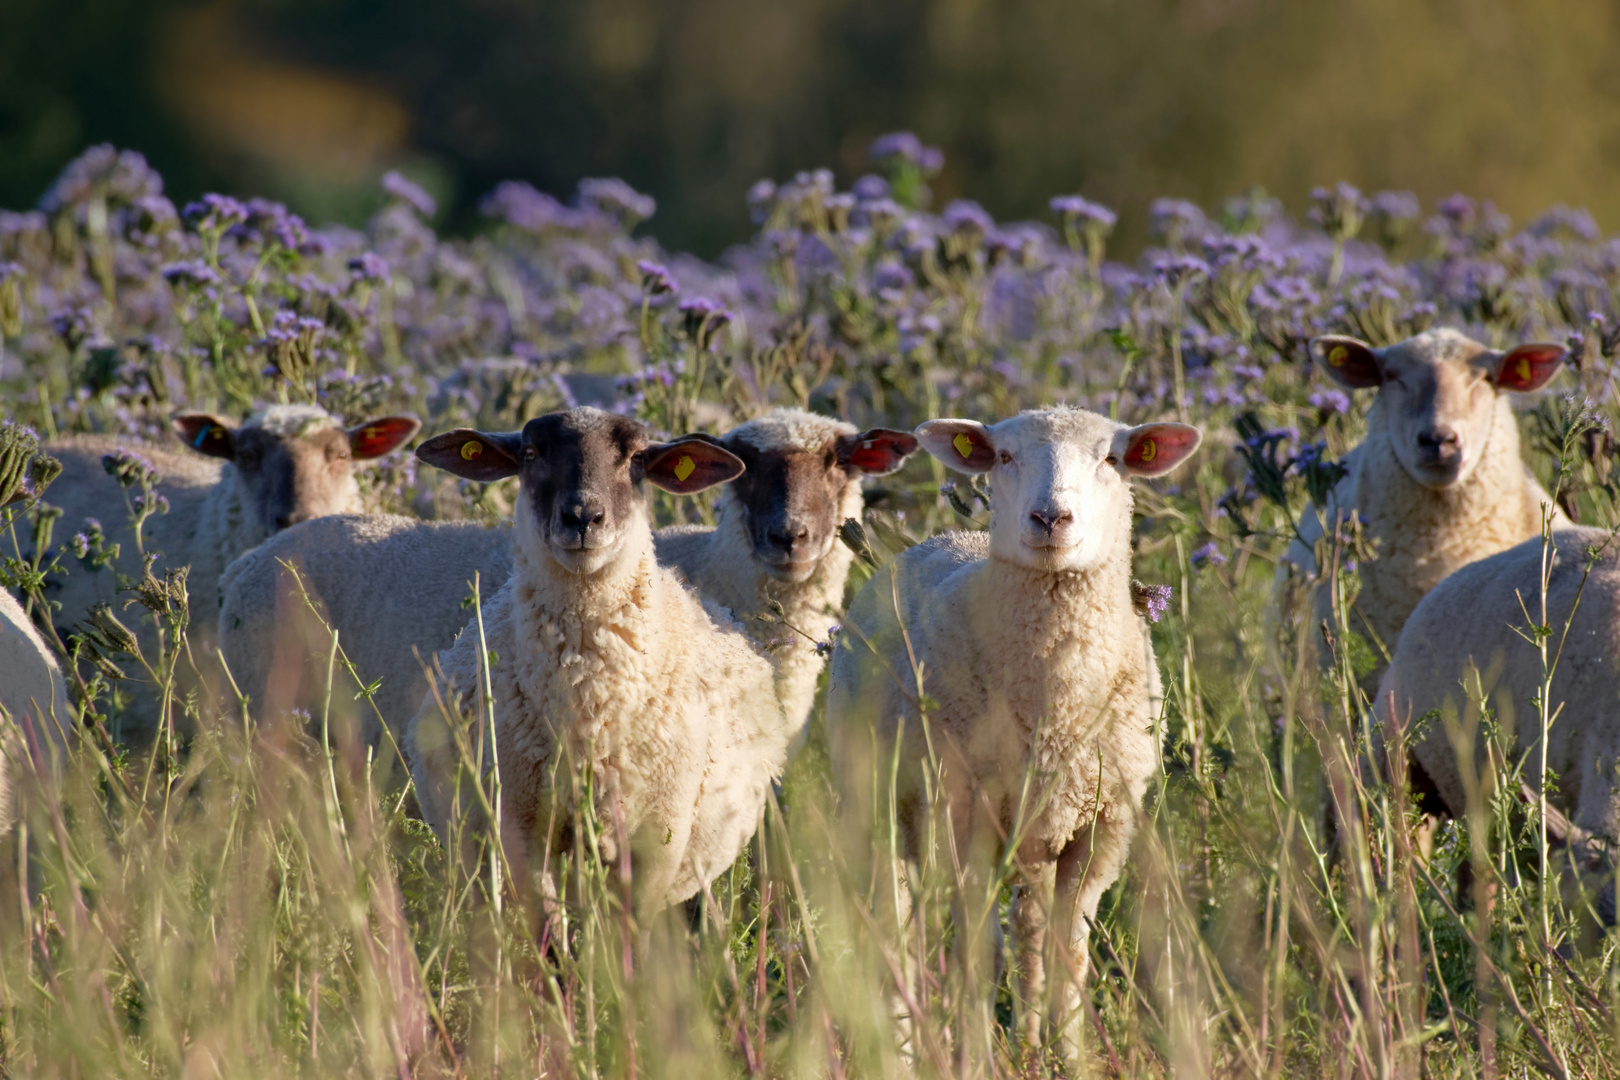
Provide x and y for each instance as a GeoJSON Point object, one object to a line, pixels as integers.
{"type": "Point", "coordinates": [628, 675]}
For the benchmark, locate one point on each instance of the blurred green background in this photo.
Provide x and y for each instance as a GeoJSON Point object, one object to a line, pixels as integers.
{"type": "Point", "coordinates": [693, 100]}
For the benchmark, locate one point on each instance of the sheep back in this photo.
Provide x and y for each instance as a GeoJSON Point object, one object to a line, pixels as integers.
{"type": "Point", "coordinates": [392, 587]}
{"type": "Point", "coordinates": [1468, 622]}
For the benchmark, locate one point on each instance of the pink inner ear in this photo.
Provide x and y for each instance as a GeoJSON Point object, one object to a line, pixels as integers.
{"type": "Point", "coordinates": [1160, 446]}
{"type": "Point", "coordinates": [380, 436]}
{"type": "Point", "coordinates": [1529, 367]}
{"type": "Point", "coordinates": [882, 452]}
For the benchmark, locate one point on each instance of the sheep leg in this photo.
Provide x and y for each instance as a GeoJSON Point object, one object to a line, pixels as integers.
{"type": "Point", "coordinates": [1085, 869]}
{"type": "Point", "coordinates": [1031, 916]}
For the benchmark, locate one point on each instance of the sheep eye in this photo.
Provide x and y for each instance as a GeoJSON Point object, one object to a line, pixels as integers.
{"type": "Point", "coordinates": [1006, 458]}
{"type": "Point", "coordinates": [530, 453]}
{"type": "Point", "coordinates": [1112, 459]}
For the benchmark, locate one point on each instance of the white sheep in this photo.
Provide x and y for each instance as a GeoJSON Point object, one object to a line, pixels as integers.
{"type": "Point", "coordinates": [233, 488]}
{"type": "Point", "coordinates": [1437, 481]}
{"type": "Point", "coordinates": [1035, 659]}
{"type": "Point", "coordinates": [605, 665]}
{"type": "Point", "coordinates": [32, 698]}
{"type": "Point", "coordinates": [1467, 640]}
{"type": "Point", "coordinates": [393, 588]}
{"type": "Point", "coordinates": [776, 541]}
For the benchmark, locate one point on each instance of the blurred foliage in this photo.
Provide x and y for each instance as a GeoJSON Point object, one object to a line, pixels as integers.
{"type": "Point", "coordinates": [692, 100]}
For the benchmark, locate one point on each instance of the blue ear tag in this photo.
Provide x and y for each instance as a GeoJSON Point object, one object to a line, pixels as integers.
{"type": "Point", "coordinates": [202, 436]}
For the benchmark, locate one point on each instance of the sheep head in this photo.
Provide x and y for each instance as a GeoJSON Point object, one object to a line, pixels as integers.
{"type": "Point", "coordinates": [294, 462]}
{"type": "Point", "coordinates": [1438, 394]}
{"type": "Point", "coordinates": [799, 468]}
{"type": "Point", "coordinates": [1060, 495]}
{"type": "Point", "coordinates": [582, 473]}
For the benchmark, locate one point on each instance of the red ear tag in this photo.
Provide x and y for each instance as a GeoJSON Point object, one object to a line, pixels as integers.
{"type": "Point", "coordinates": [963, 444]}
{"type": "Point", "coordinates": [1337, 354]}
{"type": "Point", "coordinates": [471, 449]}
{"type": "Point", "coordinates": [684, 468]}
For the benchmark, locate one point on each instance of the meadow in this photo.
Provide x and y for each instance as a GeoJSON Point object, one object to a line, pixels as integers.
{"type": "Point", "coordinates": [244, 898]}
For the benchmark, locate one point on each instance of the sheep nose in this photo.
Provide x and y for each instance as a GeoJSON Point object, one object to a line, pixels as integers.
{"type": "Point", "coordinates": [581, 514]}
{"type": "Point", "coordinates": [1437, 438]}
{"type": "Point", "coordinates": [1050, 519]}
{"type": "Point", "coordinates": [784, 537]}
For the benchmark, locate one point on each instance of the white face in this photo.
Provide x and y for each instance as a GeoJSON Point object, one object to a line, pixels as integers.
{"type": "Point", "coordinates": [1060, 492]}
{"type": "Point", "coordinates": [1440, 394]}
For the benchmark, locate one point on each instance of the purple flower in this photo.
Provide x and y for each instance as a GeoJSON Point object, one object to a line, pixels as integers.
{"type": "Point", "coordinates": [120, 176]}
{"type": "Point", "coordinates": [1078, 209]}
{"type": "Point", "coordinates": [1176, 220]}
{"type": "Point", "coordinates": [192, 272]}
{"type": "Point", "coordinates": [761, 197]}
{"type": "Point", "coordinates": [518, 204]}
{"type": "Point", "coordinates": [214, 213]}
{"type": "Point", "coordinates": [1175, 269]}
{"type": "Point", "coordinates": [703, 319]}
{"type": "Point", "coordinates": [904, 146]}
{"type": "Point", "coordinates": [369, 267]}
{"type": "Point", "coordinates": [656, 280]}
{"type": "Point", "coordinates": [870, 187]}
{"type": "Point", "coordinates": [269, 222]}
{"type": "Point", "coordinates": [965, 215]}
{"type": "Point", "coordinates": [616, 199]}
{"type": "Point", "coordinates": [1208, 555]}
{"type": "Point", "coordinates": [407, 191]}
{"type": "Point", "coordinates": [10, 270]}
{"type": "Point", "coordinates": [1397, 206]}
{"type": "Point", "coordinates": [1155, 600]}
{"type": "Point", "coordinates": [1331, 400]}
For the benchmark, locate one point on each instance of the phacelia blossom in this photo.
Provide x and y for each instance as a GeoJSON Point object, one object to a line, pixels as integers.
{"type": "Point", "coordinates": [399, 186]}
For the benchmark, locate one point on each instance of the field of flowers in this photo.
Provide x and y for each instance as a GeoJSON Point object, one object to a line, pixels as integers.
{"type": "Point", "coordinates": [251, 900]}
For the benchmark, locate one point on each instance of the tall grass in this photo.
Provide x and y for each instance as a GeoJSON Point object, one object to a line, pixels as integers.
{"type": "Point", "coordinates": [250, 895]}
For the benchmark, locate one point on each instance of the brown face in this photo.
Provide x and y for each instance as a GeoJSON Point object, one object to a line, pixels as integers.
{"type": "Point", "coordinates": [792, 499]}
{"type": "Point", "coordinates": [286, 479]}
{"type": "Point", "coordinates": [582, 474]}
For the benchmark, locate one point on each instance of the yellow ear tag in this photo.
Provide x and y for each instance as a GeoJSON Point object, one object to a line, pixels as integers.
{"type": "Point", "coordinates": [1148, 451]}
{"type": "Point", "coordinates": [471, 449]}
{"type": "Point", "coordinates": [1524, 369]}
{"type": "Point", "coordinates": [1337, 354]}
{"type": "Point", "coordinates": [684, 468]}
{"type": "Point", "coordinates": [964, 446]}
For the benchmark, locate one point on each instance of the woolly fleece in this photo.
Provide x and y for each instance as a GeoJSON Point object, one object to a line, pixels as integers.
{"type": "Point", "coordinates": [393, 589]}
{"type": "Point", "coordinates": [628, 673]}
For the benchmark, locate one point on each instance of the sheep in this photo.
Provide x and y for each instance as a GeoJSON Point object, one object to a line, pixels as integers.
{"type": "Point", "coordinates": [777, 538]}
{"type": "Point", "coordinates": [391, 587]}
{"type": "Point", "coordinates": [776, 541]}
{"type": "Point", "coordinates": [1038, 665]}
{"type": "Point", "coordinates": [1437, 480]}
{"type": "Point", "coordinates": [604, 665]}
{"type": "Point", "coordinates": [235, 487]}
{"type": "Point", "coordinates": [33, 701]}
{"type": "Point", "coordinates": [1466, 642]}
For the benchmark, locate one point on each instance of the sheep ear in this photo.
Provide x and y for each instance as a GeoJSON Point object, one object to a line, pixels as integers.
{"type": "Point", "coordinates": [375, 438]}
{"type": "Point", "coordinates": [1529, 367]}
{"type": "Point", "coordinates": [474, 455]}
{"type": "Point", "coordinates": [205, 435]}
{"type": "Point", "coordinates": [1155, 449]}
{"type": "Point", "coordinates": [1350, 363]}
{"type": "Point", "coordinates": [689, 464]}
{"type": "Point", "coordinates": [876, 451]}
{"type": "Point", "coordinates": [963, 445]}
